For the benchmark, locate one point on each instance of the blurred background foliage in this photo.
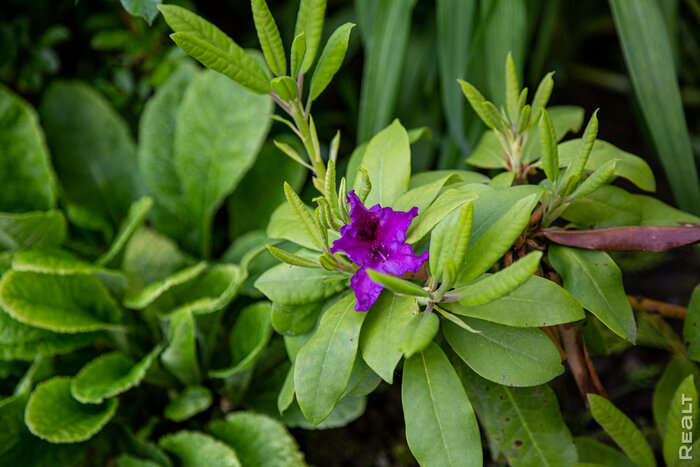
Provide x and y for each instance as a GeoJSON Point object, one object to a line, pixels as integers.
{"type": "Point", "coordinates": [638, 61]}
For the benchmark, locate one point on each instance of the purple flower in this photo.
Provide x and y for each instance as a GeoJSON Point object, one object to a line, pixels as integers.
{"type": "Point", "coordinates": [376, 239]}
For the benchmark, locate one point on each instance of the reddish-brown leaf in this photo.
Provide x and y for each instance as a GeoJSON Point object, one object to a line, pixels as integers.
{"type": "Point", "coordinates": [632, 238]}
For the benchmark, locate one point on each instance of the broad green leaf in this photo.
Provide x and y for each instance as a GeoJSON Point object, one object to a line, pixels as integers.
{"type": "Point", "coordinates": [195, 449]}
{"type": "Point", "coordinates": [150, 293]}
{"type": "Point", "coordinates": [418, 333]}
{"type": "Point", "coordinates": [681, 420]}
{"type": "Point", "coordinates": [250, 252]}
{"type": "Point", "coordinates": [608, 206]}
{"type": "Point", "coordinates": [538, 302]}
{"type": "Point", "coordinates": [180, 357]}
{"type": "Point", "coordinates": [19, 447]}
{"type": "Point", "coordinates": [455, 21]}
{"type": "Point", "coordinates": [382, 330]}
{"type": "Point", "coordinates": [310, 22]}
{"type": "Point", "coordinates": [109, 375]}
{"type": "Point", "coordinates": [431, 176]}
{"type": "Point", "coordinates": [286, 393]}
{"type": "Point", "coordinates": [269, 37]}
{"type": "Point", "coordinates": [293, 320]}
{"type": "Point", "coordinates": [621, 430]}
{"type": "Point", "coordinates": [594, 452]}
{"type": "Point", "coordinates": [249, 337]}
{"type": "Point", "coordinates": [146, 9]}
{"type": "Point", "coordinates": [423, 195]}
{"type": "Point", "coordinates": [691, 332]}
{"type": "Point", "coordinates": [595, 281]}
{"type": "Point", "coordinates": [656, 212]}
{"type": "Point", "coordinates": [629, 166]}
{"type": "Point", "coordinates": [502, 180]}
{"type": "Point", "coordinates": [220, 129]}
{"type": "Point", "coordinates": [294, 285]}
{"type": "Point", "coordinates": [151, 257]}
{"type": "Point", "coordinates": [323, 366]}
{"type": "Point", "coordinates": [52, 413]}
{"type": "Point", "coordinates": [126, 460]}
{"type": "Point", "coordinates": [134, 220]}
{"type": "Point", "coordinates": [441, 428]}
{"type": "Point", "coordinates": [214, 49]}
{"type": "Point", "coordinates": [190, 402]}
{"type": "Point", "coordinates": [447, 202]}
{"type": "Point", "coordinates": [19, 341]}
{"type": "Point", "coordinates": [388, 163]}
{"type": "Point", "coordinates": [677, 370]}
{"type": "Point", "coordinates": [53, 261]}
{"type": "Point", "coordinates": [65, 304]}
{"type": "Point", "coordinates": [284, 225]}
{"type": "Point", "coordinates": [346, 411]}
{"type": "Point", "coordinates": [32, 229]}
{"type": "Point", "coordinates": [157, 138]}
{"type": "Point", "coordinates": [363, 380]}
{"type": "Point", "coordinates": [384, 58]}
{"type": "Point", "coordinates": [26, 176]}
{"type": "Point", "coordinates": [286, 87]}
{"type": "Point", "coordinates": [258, 440]}
{"type": "Point", "coordinates": [646, 47]}
{"type": "Point", "coordinates": [505, 355]}
{"type": "Point", "coordinates": [92, 150]}
{"type": "Point", "coordinates": [331, 59]}
{"type": "Point", "coordinates": [523, 424]}
{"type": "Point", "coordinates": [501, 283]}
{"type": "Point", "coordinates": [449, 239]}
{"type": "Point", "coordinates": [496, 227]}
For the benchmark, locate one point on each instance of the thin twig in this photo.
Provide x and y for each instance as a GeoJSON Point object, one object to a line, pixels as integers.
{"type": "Point", "coordinates": [649, 305]}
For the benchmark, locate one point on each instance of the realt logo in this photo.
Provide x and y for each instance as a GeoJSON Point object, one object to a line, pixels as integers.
{"type": "Point", "coordinates": [685, 451]}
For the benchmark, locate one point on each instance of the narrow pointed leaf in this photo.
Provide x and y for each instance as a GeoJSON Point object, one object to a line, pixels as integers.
{"type": "Point", "coordinates": [310, 22]}
{"type": "Point", "coordinates": [269, 37]}
{"type": "Point", "coordinates": [396, 284]}
{"type": "Point", "coordinates": [331, 59]}
{"type": "Point", "coordinates": [418, 333]}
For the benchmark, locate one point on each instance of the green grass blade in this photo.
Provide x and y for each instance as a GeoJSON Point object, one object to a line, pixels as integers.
{"type": "Point", "coordinates": [647, 50]}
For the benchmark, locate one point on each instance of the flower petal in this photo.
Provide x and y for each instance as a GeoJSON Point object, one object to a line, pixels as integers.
{"type": "Point", "coordinates": [366, 290]}
{"type": "Point", "coordinates": [393, 224]}
{"type": "Point", "coordinates": [402, 259]}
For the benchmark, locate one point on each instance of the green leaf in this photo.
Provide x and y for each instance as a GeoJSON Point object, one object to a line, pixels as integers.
{"type": "Point", "coordinates": [66, 304]}
{"type": "Point", "coordinates": [523, 424]}
{"type": "Point", "coordinates": [32, 229]}
{"type": "Point", "coordinates": [608, 206]}
{"type": "Point", "coordinates": [550, 155]}
{"type": "Point", "coordinates": [655, 212]}
{"type": "Point", "coordinates": [53, 261]}
{"type": "Point", "coordinates": [346, 411]}
{"type": "Point", "coordinates": [385, 54]}
{"type": "Point", "coordinates": [422, 196]}
{"type": "Point", "coordinates": [286, 87]}
{"type": "Point", "coordinates": [538, 302]}
{"type": "Point", "coordinates": [294, 285]}
{"type": "Point", "coordinates": [269, 37]}
{"type": "Point", "coordinates": [477, 101]}
{"type": "Point", "coordinates": [681, 419]}
{"type": "Point", "coordinates": [512, 88]}
{"type": "Point", "coordinates": [505, 355]}
{"type": "Point", "coordinates": [594, 452]}
{"type": "Point", "coordinates": [646, 47]}
{"type": "Point", "coordinates": [134, 220]}
{"type": "Point", "coordinates": [310, 22]}
{"type": "Point", "coordinates": [284, 225]}
{"type": "Point", "coordinates": [418, 333]}
{"type": "Point", "coordinates": [154, 290]}
{"type": "Point", "coordinates": [109, 375]}
{"type": "Point", "coordinates": [621, 430]}
{"type": "Point", "coordinates": [382, 331]}
{"type": "Point", "coordinates": [541, 97]}
{"type": "Point", "coordinates": [691, 332]}
{"type": "Point", "coordinates": [597, 179]}
{"type": "Point", "coordinates": [146, 9]}
{"type": "Point", "coordinates": [441, 428]}
{"type": "Point", "coordinates": [294, 320]}
{"type": "Point", "coordinates": [92, 150]}
{"type": "Point", "coordinates": [52, 414]}
{"type": "Point", "coordinates": [595, 281]}
{"type": "Point", "coordinates": [220, 129]}
{"type": "Point", "coordinates": [330, 61]}
{"type": "Point", "coordinates": [449, 239]}
{"type": "Point", "coordinates": [499, 284]}
{"type": "Point", "coordinates": [19, 341]}
{"type": "Point", "coordinates": [677, 370]}
{"type": "Point", "coordinates": [423, 178]}
{"type": "Point", "coordinates": [363, 380]}
{"type": "Point", "coordinates": [304, 218]}
{"type": "Point", "coordinates": [190, 402]}
{"type": "Point", "coordinates": [396, 284]}
{"type": "Point", "coordinates": [298, 54]}
{"type": "Point", "coordinates": [195, 449]}
{"type": "Point", "coordinates": [25, 169]}
{"type": "Point", "coordinates": [496, 227]}
{"type": "Point", "coordinates": [323, 366]}
{"type": "Point", "coordinates": [180, 357]}
{"type": "Point", "coordinates": [629, 166]}
{"type": "Point", "coordinates": [446, 203]}
{"type": "Point", "coordinates": [388, 163]}
{"type": "Point", "coordinates": [258, 440]}
{"type": "Point", "coordinates": [249, 337]}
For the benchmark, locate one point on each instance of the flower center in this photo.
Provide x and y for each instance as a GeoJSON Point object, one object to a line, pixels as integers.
{"type": "Point", "coordinates": [367, 228]}
{"type": "Point", "coordinates": [378, 251]}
